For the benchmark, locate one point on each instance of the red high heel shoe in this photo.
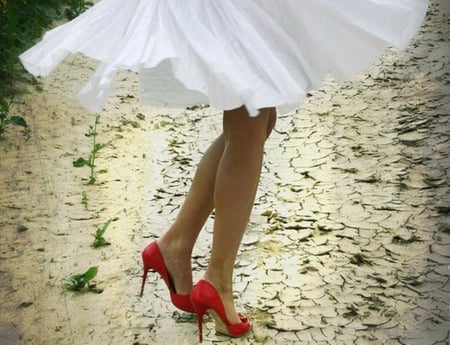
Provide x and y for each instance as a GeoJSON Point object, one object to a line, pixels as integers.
{"type": "Point", "coordinates": [206, 299]}
{"type": "Point", "coordinates": [153, 259]}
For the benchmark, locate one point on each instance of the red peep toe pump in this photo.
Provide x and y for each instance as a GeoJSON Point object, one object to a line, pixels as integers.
{"type": "Point", "coordinates": [153, 260]}
{"type": "Point", "coordinates": [206, 299]}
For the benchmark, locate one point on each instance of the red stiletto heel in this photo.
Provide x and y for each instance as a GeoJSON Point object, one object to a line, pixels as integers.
{"type": "Point", "coordinates": [200, 313]}
{"type": "Point", "coordinates": [206, 299]}
{"type": "Point", "coordinates": [153, 260]}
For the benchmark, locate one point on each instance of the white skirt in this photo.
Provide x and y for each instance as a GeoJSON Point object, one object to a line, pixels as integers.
{"type": "Point", "coordinates": [227, 53]}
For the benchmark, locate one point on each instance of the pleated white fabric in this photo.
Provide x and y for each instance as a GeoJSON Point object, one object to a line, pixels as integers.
{"type": "Point", "coordinates": [227, 53]}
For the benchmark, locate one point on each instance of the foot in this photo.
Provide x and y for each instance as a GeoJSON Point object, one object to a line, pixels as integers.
{"type": "Point", "coordinates": [178, 263]}
{"type": "Point", "coordinates": [226, 294]}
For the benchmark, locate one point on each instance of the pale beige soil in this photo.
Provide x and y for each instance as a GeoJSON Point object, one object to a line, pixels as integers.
{"type": "Point", "coordinates": [348, 243]}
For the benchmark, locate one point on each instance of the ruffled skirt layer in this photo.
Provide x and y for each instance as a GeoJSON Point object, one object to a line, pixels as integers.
{"type": "Point", "coordinates": [227, 53]}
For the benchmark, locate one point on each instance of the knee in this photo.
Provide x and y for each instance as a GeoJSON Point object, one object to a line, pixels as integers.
{"type": "Point", "coordinates": [239, 126]}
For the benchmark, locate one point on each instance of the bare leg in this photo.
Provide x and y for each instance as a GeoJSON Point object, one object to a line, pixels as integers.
{"type": "Point", "coordinates": [177, 243]}
{"type": "Point", "coordinates": [235, 189]}
{"type": "Point", "coordinates": [220, 166]}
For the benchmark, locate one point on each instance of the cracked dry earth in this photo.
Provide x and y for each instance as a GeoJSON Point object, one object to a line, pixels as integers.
{"type": "Point", "coordinates": [349, 241]}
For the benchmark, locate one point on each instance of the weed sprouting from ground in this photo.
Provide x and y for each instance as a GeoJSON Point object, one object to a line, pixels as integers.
{"type": "Point", "coordinates": [99, 240]}
{"type": "Point", "coordinates": [81, 282]}
{"type": "Point", "coordinates": [84, 200]}
{"type": "Point", "coordinates": [96, 147]}
{"type": "Point", "coordinates": [7, 119]}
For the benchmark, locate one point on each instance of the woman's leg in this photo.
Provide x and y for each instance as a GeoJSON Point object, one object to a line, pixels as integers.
{"type": "Point", "coordinates": [177, 243]}
{"type": "Point", "coordinates": [236, 184]}
{"type": "Point", "coordinates": [240, 131]}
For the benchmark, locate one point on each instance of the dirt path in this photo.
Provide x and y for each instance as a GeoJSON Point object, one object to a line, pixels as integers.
{"type": "Point", "coordinates": [349, 242]}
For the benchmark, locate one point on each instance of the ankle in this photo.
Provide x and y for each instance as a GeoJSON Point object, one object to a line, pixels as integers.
{"type": "Point", "coordinates": [221, 284]}
{"type": "Point", "coordinates": [174, 244]}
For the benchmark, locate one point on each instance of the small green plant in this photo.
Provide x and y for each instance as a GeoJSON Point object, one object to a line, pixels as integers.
{"type": "Point", "coordinates": [84, 200]}
{"type": "Point", "coordinates": [6, 119]}
{"type": "Point", "coordinates": [96, 147]}
{"type": "Point", "coordinates": [99, 240]}
{"type": "Point", "coordinates": [80, 282]}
